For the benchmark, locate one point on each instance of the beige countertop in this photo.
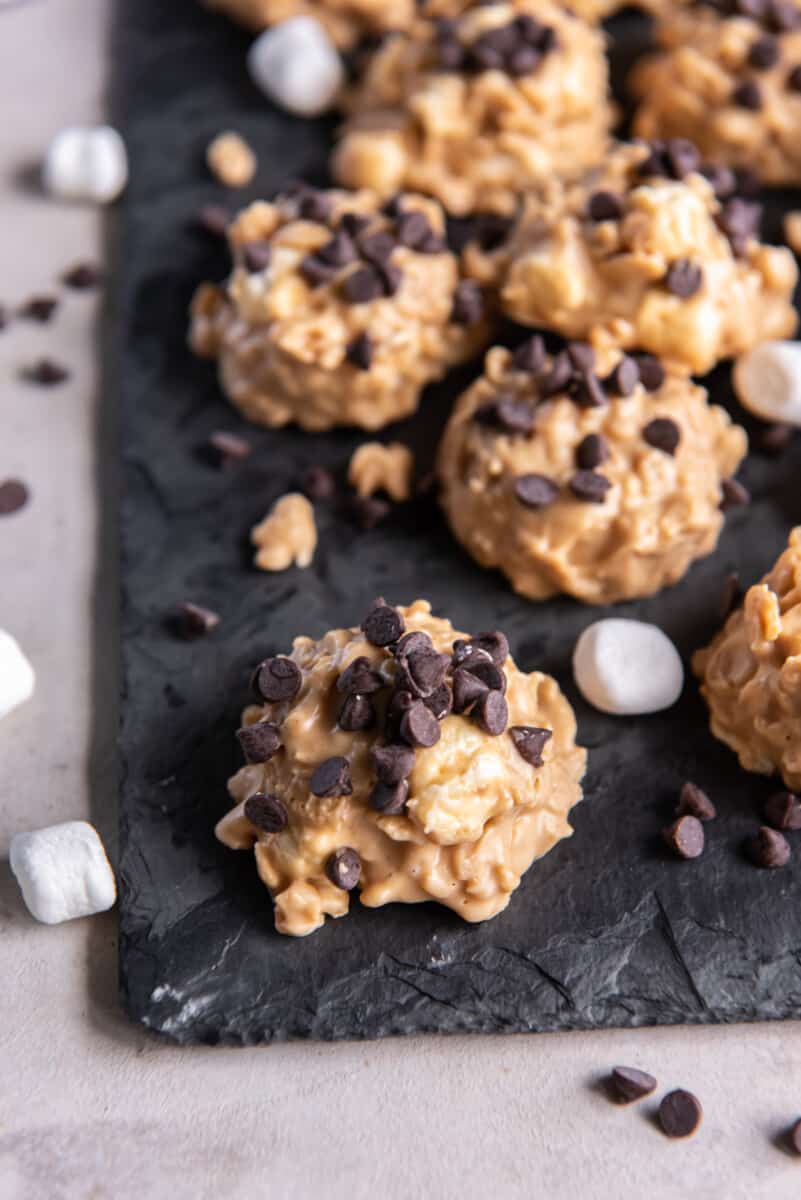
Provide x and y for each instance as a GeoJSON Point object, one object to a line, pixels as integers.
{"type": "Point", "coordinates": [93, 1107]}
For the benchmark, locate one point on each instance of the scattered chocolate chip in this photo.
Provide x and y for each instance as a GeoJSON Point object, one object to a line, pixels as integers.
{"type": "Point", "coordinates": [376, 247]}
{"type": "Point", "coordinates": [338, 251]}
{"type": "Point", "coordinates": [740, 220]}
{"type": "Point", "coordinates": [491, 713]}
{"type": "Point", "coordinates": [624, 378]}
{"type": "Point", "coordinates": [426, 670]}
{"type": "Point", "coordinates": [391, 277]}
{"type": "Point", "coordinates": [605, 206]}
{"type": "Point", "coordinates": [492, 642]}
{"type": "Point", "coordinates": [734, 495]}
{"type": "Point", "coordinates": [487, 671]}
{"type": "Point", "coordinates": [390, 798]}
{"type": "Point", "coordinates": [368, 511]}
{"type": "Point", "coordinates": [768, 848]}
{"type": "Point", "coordinates": [354, 223]}
{"type": "Point", "coordinates": [383, 625]}
{"type": "Point", "coordinates": [260, 741]}
{"type": "Point", "coordinates": [318, 483]}
{"type": "Point", "coordinates": [581, 355]}
{"type": "Point", "coordinates": [360, 351]}
{"type": "Point", "coordinates": [530, 355]}
{"type": "Point", "coordinates": [490, 230]}
{"type": "Point", "coordinates": [467, 688]}
{"type": "Point", "coordinates": [684, 278]}
{"type": "Point", "coordinates": [357, 713]}
{"type": "Point", "coordinates": [523, 61]}
{"type": "Point", "coordinates": [590, 486]}
{"type": "Point", "coordinates": [530, 742]}
{"type": "Point", "coordinates": [773, 439]}
{"type": "Point", "coordinates": [794, 1132]}
{"type": "Point", "coordinates": [682, 157]}
{"type": "Point", "coordinates": [432, 243]}
{"type": "Point", "coordinates": [82, 277]}
{"type": "Point", "coordinates": [214, 220]}
{"type": "Point", "coordinates": [652, 373]}
{"type": "Point", "coordinates": [344, 868]}
{"type": "Point", "coordinates": [558, 377]}
{"type": "Point", "coordinates": [783, 811]}
{"type": "Point", "coordinates": [14, 495]}
{"type": "Point", "coordinates": [315, 271]}
{"type": "Point", "coordinates": [363, 285]}
{"type": "Point", "coordinates": [628, 1084]}
{"type": "Point", "coordinates": [747, 94]}
{"type": "Point", "coordinates": [466, 651]}
{"type": "Point", "coordinates": [412, 228]}
{"type": "Point", "coordinates": [256, 256]}
{"type": "Point", "coordinates": [695, 803]}
{"type": "Point", "coordinates": [46, 372]}
{"type": "Point", "coordinates": [587, 391]}
{"type": "Point", "coordinates": [266, 812]}
{"type": "Point", "coordinates": [399, 703]}
{"type": "Point", "coordinates": [722, 179]}
{"type": "Point", "coordinates": [331, 778]}
{"type": "Point", "coordinates": [450, 53]}
{"type": "Point", "coordinates": [440, 702]}
{"type": "Point", "coordinates": [686, 837]}
{"type": "Point", "coordinates": [680, 1113]}
{"type": "Point", "coordinates": [39, 308]}
{"type": "Point", "coordinates": [193, 621]}
{"type": "Point", "coordinates": [764, 53]}
{"type": "Point", "coordinates": [359, 677]}
{"type": "Point", "coordinates": [591, 451]}
{"type": "Point", "coordinates": [277, 679]}
{"type": "Point", "coordinates": [731, 595]}
{"type": "Point", "coordinates": [411, 642]}
{"type": "Point", "coordinates": [535, 491]}
{"type": "Point", "coordinates": [393, 763]}
{"type": "Point", "coordinates": [315, 206]}
{"type": "Point", "coordinates": [419, 726]}
{"type": "Point", "coordinates": [508, 414]}
{"type": "Point", "coordinates": [468, 303]}
{"type": "Point", "coordinates": [663, 434]}
{"type": "Point", "coordinates": [794, 79]}
{"type": "Point", "coordinates": [228, 447]}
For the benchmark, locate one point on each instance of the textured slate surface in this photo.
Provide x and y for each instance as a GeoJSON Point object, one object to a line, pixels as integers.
{"type": "Point", "coordinates": [608, 929]}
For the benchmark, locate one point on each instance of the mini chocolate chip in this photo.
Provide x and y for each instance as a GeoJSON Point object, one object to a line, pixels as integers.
{"type": "Point", "coordinates": [39, 308]}
{"type": "Point", "coordinates": [14, 495]}
{"type": "Point", "coordinates": [256, 256]}
{"type": "Point", "coordinates": [338, 251]}
{"type": "Point", "coordinates": [344, 868]}
{"type": "Point", "coordinates": [679, 1114]}
{"type": "Point", "coordinates": [82, 277]}
{"type": "Point", "coordinates": [390, 798]}
{"type": "Point", "coordinates": [535, 491]}
{"type": "Point", "coordinates": [695, 803]}
{"type": "Point", "coordinates": [440, 702]}
{"type": "Point", "coordinates": [624, 378]}
{"type": "Point", "coordinates": [228, 447]}
{"type": "Point", "coordinates": [315, 271]}
{"type": "Point", "coordinates": [508, 414]}
{"type": "Point", "coordinates": [530, 355]}
{"type": "Point", "coordinates": [591, 451]}
{"type": "Point", "coordinates": [684, 278]}
{"type": "Point", "coordinates": [266, 812]}
{"type": "Point", "coordinates": [376, 247]}
{"type": "Point", "coordinates": [46, 372]}
{"type": "Point", "coordinates": [331, 778]}
{"type": "Point", "coordinates": [731, 595]}
{"type": "Point", "coordinates": [193, 621]}
{"type": "Point", "coordinates": [412, 228]}
{"type": "Point", "coordinates": [628, 1084]}
{"type": "Point", "coordinates": [794, 79]}
{"type": "Point", "coordinates": [734, 495]}
{"type": "Point", "coordinates": [783, 811]}
{"type": "Point", "coordinates": [590, 486]}
{"type": "Point", "coordinates": [419, 726]}
{"type": "Point", "coordinates": [368, 511]}
{"type": "Point", "coordinates": [491, 713]}
{"type": "Point", "coordinates": [652, 373]}
{"type": "Point", "coordinates": [363, 285]}
{"type": "Point", "coordinates": [360, 351]}
{"type": "Point", "coordinates": [383, 625]}
{"type": "Point", "coordinates": [392, 763]}
{"type": "Point", "coordinates": [747, 94]}
{"type": "Point", "coordinates": [357, 713]}
{"type": "Point", "coordinates": [468, 303]}
{"type": "Point", "coordinates": [605, 206]}
{"type": "Point", "coordinates": [686, 837]}
{"type": "Point", "coordinates": [318, 483]}
{"type": "Point", "coordinates": [259, 742]}
{"type": "Point", "coordinates": [774, 438]}
{"type": "Point", "coordinates": [354, 223]}
{"type": "Point", "coordinates": [360, 677]}
{"type": "Point", "coordinates": [277, 679]}
{"type": "Point", "coordinates": [315, 206]}
{"type": "Point", "coordinates": [764, 53]}
{"type": "Point", "coordinates": [558, 377]}
{"type": "Point", "coordinates": [530, 742]}
{"type": "Point", "coordinates": [769, 849]}
{"type": "Point", "coordinates": [214, 220]}
{"type": "Point", "coordinates": [587, 390]}
{"type": "Point", "coordinates": [663, 434]}
{"type": "Point", "coordinates": [466, 689]}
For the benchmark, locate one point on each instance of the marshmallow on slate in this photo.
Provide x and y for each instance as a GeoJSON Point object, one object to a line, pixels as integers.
{"type": "Point", "coordinates": [63, 872]}
{"type": "Point", "coordinates": [297, 65]}
{"type": "Point", "coordinates": [767, 381]}
{"type": "Point", "coordinates": [17, 679]}
{"type": "Point", "coordinates": [627, 667]}
{"type": "Point", "coordinates": [86, 163]}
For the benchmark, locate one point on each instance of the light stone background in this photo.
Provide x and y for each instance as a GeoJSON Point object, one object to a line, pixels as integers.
{"type": "Point", "coordinates": [93, 1107]}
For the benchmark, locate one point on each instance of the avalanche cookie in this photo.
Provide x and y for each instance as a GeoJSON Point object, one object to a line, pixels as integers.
{"type": "Point", "coordinates": [337, 311]}
{"type": "Point", "coordinates": [646, 252]}
{"type": "Point", "coordinates": [750, 674]}
{"type": "Point", "coordinates": [603, 483]}
{"type": "Point", "coordinates": [729, 78]}
{"type": "Point", "coordinates": [345, 21]}
{"type": "Point", "coordinates": [472, 109]}
{"type": "Point", "coordinates": [404, 759]}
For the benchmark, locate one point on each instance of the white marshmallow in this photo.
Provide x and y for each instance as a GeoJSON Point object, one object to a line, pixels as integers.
{"type": "Point", "coordinates": [767, 381]}
{"type": "Point", "coordinates": [17, 679]}
{"type": "Point", "coordinates": [86, 163]}
{"type": "Point", "coordinates": [63, 872]}
{"type": "Point", "coordinates": [627, 667]}
{"type": "Point", "coordinates": [297, 65]}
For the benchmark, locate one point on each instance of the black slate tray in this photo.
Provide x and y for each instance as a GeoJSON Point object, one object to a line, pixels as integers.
{"type": "Point", "coordinates": [608, 929]}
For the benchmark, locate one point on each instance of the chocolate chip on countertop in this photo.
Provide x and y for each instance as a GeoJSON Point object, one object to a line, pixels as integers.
{"type": "Point", "coordinates": [318, 483]}
{"type": "Point", "coordinates": [363, 285]}
{"type": "Point", "coordinates": [731, 595]}
{"type": "Point", "coordinates": [734, 495]}
{"type": "Point", "coordinates": [193, 621]}
{"type": "Point", "coordinates": [773, 439]}
{"type": "Point", "coordinates": [628, 1084]}
{"type": "Point", "coordinates": [368, 511]}
{"type": "Point", "coordinates": [419, 726]}
{"type": "Point", "coordinates": [390, 798]}
{"type": "Point", "coordinates": [747, 94]}
{"type": "Point", "coordinates": [535, 491]}
{"type": "Point", "coordinates": [605, 206]}
{"type": "Point", "coordinates": [764, 53]}
{"type": "Point", "coordinates": [360, 351]}
{"type": "Point", "coordinates": [277, 679]}
{"type": "Point", "coordinates": [769, 849]}
{"type": "Point", "coordinates": [256, 256]}
{"type": "Point", "coordinates": [360, 678]}
{"type": "Point", "coordinates": [357, 714]}
{"type": "Point", "coordinates": [3, 316]}
{"type": "Point", "coordinates": [680, 1113]}
{"type": "Point", "coordinates": [344, 868]}
{"type": "Point", "coordinates": [82, 277]}
{"type": "Point", "coordinates": [794, 1137]}
{"type": "Point", "coordinates": [624, 378]}
{"type": "Point", "coordinates": [392, 763]}
{"type": "Point", "coordinates": [260, 741]}
{"type": "Point", "coordinates": [591, 451]}
{"type": "Point", "coordinates": [228, 447]}
{"type": "Point", "coordinates": [530, 742]}
{"type": "Point", "coordinates": [331, 778]}
{"type": "Point", "coordinates": [468, 303]}
{"type": "Point", "coordinates": [214, 220]}
{"type": "Point", "coordinates": [783, 811]}
{"type": "Point", "coordinates": [491, 713]}
{"type": "Point", "coordinates": [46, 372]}
{"type": "Point", "coordinates": [590, 486]}
{"type": "Point", "coordinates": [383, 625]}
{"type": "Point", "coordinates": [684, 278]}
{"type": "Point", "coordinates": [508, 414]}
{"type": "Point", "coordinates": [530, 355]}
{"type": "Point", "coordinates": [266, 812]}
{"type": "Point", "coordinates": [14, 495]}
{"type": "Point", "coordinates": [39, 308]}
{"type": "Point", "coordinates": [652, 373]}
{"type": "Point", "coordinates": [467, 688]}
{"type": "Point", "coordinates": [686, 837]}
{"type": "Point", "coordinates": [440, 702]}
{"type": "Point", "coordinates": [695, 803]}
{"type": "Point", "coordinates": [663, 434]}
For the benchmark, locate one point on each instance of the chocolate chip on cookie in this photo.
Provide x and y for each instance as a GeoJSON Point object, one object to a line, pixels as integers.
{"type": "Point", "coordinates": [277, 679]}
{"type": "Point", "coordinates": [354, 223]}
{"type": "Point", "coordinates": [376, 247]}
{"type": "Point", "coordinates": [530, 355]}
{"type": "Point", "coordinates": [338, 251]}
{"type": "Point", "coordinates": [357, 714]}
{"type": "Point", "coordinates": [535, 491]}
{"type": "Point", "coordinates": [315, 271]}
{"type": "Point", "coordinates": [419, 727]}
{"type": "Point", "coordinates": [684, 278]}
{"type": "Point", "coordinates": [467, 688]}
{"type": "Point", "coordinates": [468, 303]}
{"type": "Point", "coordinates": [587, 390]}
{"type": "Point", "coordinates": [605, 206]}
{"type": "Point", "coordinates": [652, 373]}
{"type": "Point", "coordinates": [392, 763]}
{"type": "Point", "coordinates": [764, 53]}
{"type": "Point", "coordinates": [794, 79]}
{"type": "Point", "coordinates": [440, 702]}
{"type": "Point", "coordinates": [383, 625]}
{"type": "Point", "coordinates": [530, 742]}
{"type": "Point", "coordinates": [491, 713]}
{"type": "Point", "coordinates": [259, 742]}
{"type": "Point", "coordinates": [558, 377]}
{"type": "Point", "coordinates": [507, 413]}
{"type": "Point", "coordinates": [266, 812]}
{"type": "Point", "coordinates": [360, 677]}
{"type": "Point", "coordinates": [663, 434]}
{"type": "Point", "coordinates": [590, 486]}
{"type": "Point", "coordinates": [256, 256]}
{"type": "Point", "coordinates": [412, 228]}
{"type": "Point", "coordinates": [363, 285]}
{"type": "Point", "coordinates": [331, 778]}
{"type": "Point", "coordinates": [390, 798]}
{"type": "Point", "coordinates": [314, 205]}
{"type": "Point", "coordinates": [624, 378]}
{"type": "Point", "coordinates": [360, 350]}
{"type": "Point", "coordinates": [747, 94]}
{"type": "Point", "coordinates": [344, 868]}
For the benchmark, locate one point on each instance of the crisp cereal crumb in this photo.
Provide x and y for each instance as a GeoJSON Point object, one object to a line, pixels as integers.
{"type": "Point", "coordinates": [378, 468]}
{"type": "Point", "coordinates": [287, 536]}
{"type": "Point", "coordinates": [792, 230]}
{"type": "Point", "coordinates": [231, 159]}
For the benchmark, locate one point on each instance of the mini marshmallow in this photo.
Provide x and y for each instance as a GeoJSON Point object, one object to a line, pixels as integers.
{"type": "Point", "coordinates": [86, 163]}
{"type": "Point", "coordinates": [297, 65]}
{"type": "Point", "coordinates": [767, 381]}
{"type": "Point", "coordinates": [17, 679]}
{"type": "Point", "coordinates": [627, 667]}
{"type": "Point", "coordinates": [63, 872]}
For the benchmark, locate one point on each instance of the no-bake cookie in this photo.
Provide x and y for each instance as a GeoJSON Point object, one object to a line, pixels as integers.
{"type": "Point", "coordinates": [600, 480]}
{"type": "Point", "coordinates": [751, 673]}
{"type": "Point", "coordinates": [472, 109]}
{"type": "Point", "coordinates": [654, 251]}
{"type": "Point", "coordinates": [729, 78]}
{"type": "Point", "coordinates": [337, 311]}
{"type": "Point", "coordinates": [404, 759]}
